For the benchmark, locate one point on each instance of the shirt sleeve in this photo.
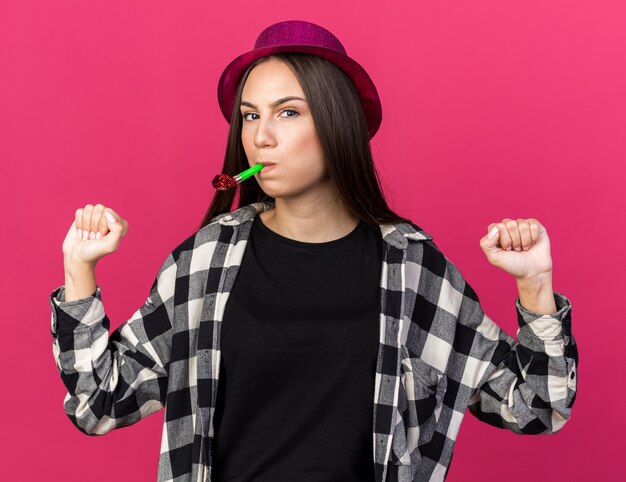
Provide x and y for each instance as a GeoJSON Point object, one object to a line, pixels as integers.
{"type": "Point", "coordinates": [526, 385]}
{"type": "Point", "coordinates": [114, 381]}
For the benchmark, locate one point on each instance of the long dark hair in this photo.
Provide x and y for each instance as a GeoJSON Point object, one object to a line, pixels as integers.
{"type": "Point", "coordinates": [342, 131]}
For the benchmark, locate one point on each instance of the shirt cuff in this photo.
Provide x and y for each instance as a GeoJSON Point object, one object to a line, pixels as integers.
{"type": "Point", "coordinates": [547, 327]}
{"type": "Point", "coordinates": [75, 314]}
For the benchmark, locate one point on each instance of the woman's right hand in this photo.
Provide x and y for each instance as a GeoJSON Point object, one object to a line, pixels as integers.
{"type": "Point", "coordinates": [99, 235]}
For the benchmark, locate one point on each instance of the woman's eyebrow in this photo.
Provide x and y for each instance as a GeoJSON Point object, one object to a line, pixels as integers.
{"type": "Point", "coordinates": [275, 104]}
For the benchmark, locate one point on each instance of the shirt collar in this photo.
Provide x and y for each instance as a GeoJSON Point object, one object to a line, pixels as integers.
{"type": "Point", "coordinates": [397, 235]}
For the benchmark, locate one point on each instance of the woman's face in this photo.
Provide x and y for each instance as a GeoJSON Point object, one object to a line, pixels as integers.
{"type": "Point", "coordinates": [281, 134]}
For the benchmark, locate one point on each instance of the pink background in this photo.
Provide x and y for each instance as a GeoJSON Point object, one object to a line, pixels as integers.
{"type": "Point", "coordinates": [491, 109]}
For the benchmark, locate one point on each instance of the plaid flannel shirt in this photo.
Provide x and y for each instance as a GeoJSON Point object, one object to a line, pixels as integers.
{"type": "Point", "coordinates": [439, 354]}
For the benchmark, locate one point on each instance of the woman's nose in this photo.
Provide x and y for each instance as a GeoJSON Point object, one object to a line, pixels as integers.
{"type": "Point", "coordinates": [264, 134]}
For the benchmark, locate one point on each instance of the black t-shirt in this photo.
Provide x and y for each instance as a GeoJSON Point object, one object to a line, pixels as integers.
{"type": "Point", "coordinates": [299, 345]}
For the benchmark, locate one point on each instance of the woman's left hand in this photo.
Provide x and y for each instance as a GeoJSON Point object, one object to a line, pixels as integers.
{"type": "Point", "coordinates": [520, 247]}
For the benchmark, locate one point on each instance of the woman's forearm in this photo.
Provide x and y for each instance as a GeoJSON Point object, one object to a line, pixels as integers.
{"type": "Point", "coordinates": [80, 280]}
{"type": "Point", "coordinates": [536, 295]}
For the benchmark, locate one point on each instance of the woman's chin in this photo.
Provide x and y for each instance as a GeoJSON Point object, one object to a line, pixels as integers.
{"type": "Point", "coordinates": [279, 191]}
{"type": "Point", "coordinates": [273, 189]}
{"type": "Point", "coordinates": [272, 193]}
{"type": "Point", "coordinates": [276, 194]}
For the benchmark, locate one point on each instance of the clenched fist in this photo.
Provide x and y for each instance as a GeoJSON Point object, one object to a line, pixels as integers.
{"type": "Point", "coordinates": [520, 247]}
{"type": "Point", "coordinates": [95, 232]}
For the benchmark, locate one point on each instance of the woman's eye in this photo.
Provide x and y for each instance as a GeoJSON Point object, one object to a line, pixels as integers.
{"type": "Point", "coordinates": [294, 112]}
{"type": "Point", "coordinates": [290, 110]}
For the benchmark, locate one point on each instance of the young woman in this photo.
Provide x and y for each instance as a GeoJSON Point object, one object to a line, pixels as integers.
{"type": "Point", "coordinates": [310, 334]}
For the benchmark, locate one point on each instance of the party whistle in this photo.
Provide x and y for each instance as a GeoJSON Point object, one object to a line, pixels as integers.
{"type": "Point", "coordinates": [222, 182]}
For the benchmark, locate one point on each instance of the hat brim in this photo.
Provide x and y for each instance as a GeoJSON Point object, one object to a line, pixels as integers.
{"type": "Point", "coordinates": [229, 80]}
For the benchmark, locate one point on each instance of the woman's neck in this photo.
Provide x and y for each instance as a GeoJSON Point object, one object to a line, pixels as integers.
{"type": "Point", "coordinates": [311, 221]}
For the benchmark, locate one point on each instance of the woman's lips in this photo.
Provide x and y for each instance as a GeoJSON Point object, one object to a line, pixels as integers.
{"type": "Point", "coordinates": [268, 167]}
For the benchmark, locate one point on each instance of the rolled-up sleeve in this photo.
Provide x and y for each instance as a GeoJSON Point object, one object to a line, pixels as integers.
{"type": "Point", "coordinates": [113, 380]}
{"type": "Point", "coordinates": [526, 385]}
